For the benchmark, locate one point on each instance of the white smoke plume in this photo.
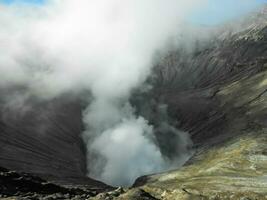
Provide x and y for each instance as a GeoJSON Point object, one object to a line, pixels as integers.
{"type": "Point", "coordinates": [102, 48]}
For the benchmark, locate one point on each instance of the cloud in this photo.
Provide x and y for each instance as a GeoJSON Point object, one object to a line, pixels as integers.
{"type": "Point", "coordinates": [130, 153]}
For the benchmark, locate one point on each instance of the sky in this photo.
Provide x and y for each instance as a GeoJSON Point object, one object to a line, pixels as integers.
{"type": "Point", "coordinates": [217, 11]}
{"type": "Point", "coordinates": [23, 1]}
{"type": "Point", "coordinates": [214, 12]}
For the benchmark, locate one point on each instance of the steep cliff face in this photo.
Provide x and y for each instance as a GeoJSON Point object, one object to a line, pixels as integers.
{"type": "Point", "coordinates": [43, 138]}
{"type": "Point", "coordinates": [38, 142]}
{"type": "Point", "coordinates": [191, 83]}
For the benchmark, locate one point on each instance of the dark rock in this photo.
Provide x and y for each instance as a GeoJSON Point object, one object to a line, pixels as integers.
{"type": "Point", "coordinates": [31, 187]}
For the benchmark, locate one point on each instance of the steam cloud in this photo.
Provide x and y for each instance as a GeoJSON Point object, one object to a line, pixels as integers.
{"type": "Point", "coordinates": [102, 48]}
